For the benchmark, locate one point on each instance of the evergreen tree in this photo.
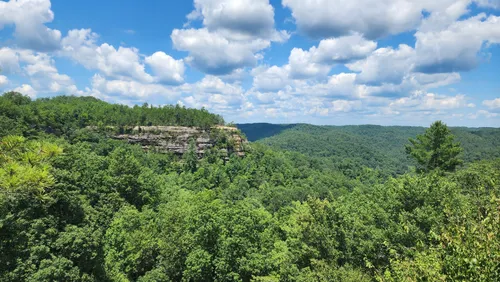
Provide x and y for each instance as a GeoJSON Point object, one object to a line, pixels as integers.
{"type": "Point", "coordinates": [435, 149]}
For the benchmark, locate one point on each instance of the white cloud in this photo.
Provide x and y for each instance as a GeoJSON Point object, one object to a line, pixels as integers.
{"type": "Point", "coordinates": [236, 18]}
{"type": "Point", "coordinates": [167, 69]}
{"type": "Point", "coordinates": [235, 76]}
{"type": "Point", "coordinates": [483, 113]}
{"type": "Point", "coordinates": [338, 85]}
{"type": "Point", "coordinates": [455, 47]}
{"type": "Point", "coordinates": [315, 63]}
{"type": "Point", "coordinates": [44, 76]}
{"type": "Point", "coordinates": [345, 106]}
{"type": "Point", "coordinates": [343, 49]}
{"type": "Point", "coordinates": [489, 3]}
{"type": "Point", "coordinates": [9, 60]}
{"type": "Point", "coordinates": [121, 63]}
{"type": "Point", "coordinates": [26, 89]}
{"type": "Point", "coordinates": [213, 53]}
{"type": "Point", "coordinates": [214, 94]}
{"type": "Point", "coordinates": [270, 78]}
{"type": "Point", "coordinates": [376, 18]}
{"type": "Point", "coordinates": [410, 83]}
{"type": "Point", "coordinates": [271, 85]}
{"type": "Point", "coordinates": [318, 61]}
{"type": "Point", "coordinates": [263, 97]}
{"type": "Point", "coordinates": [446, 12]}
{"type": "Point", "coordinates": [3, 80]}
{"type": "Point", "coordinates": [372, 18]}
{"type": "Point", "coordinates": [492, 104]}
{"type": "Point", "coordinates": [421, 100]}
{"type": "Point", "coordinates": [429, 81]}
{"type": "Point", "coordinates": [233, 34]}
{"type": "Point", "coordinates": [38, 63]}
{"type": "Point", "coordinates": [232, 41]}
{"type": "Point", "coordinates": [302, 65]}
{"type": "Point", "coordinates": [132, 89]}
{"type": "Point", "coordinates": [29, 17]}
{"type": "Point", "coordinates": [39, 68]}
{"type": "Point", "coordinates": [385, 65]}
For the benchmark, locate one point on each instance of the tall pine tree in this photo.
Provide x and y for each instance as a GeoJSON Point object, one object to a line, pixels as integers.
{"type": "Point", "coordinates": [435, 149]}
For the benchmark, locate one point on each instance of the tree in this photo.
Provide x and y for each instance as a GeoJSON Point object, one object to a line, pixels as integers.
{"type": "Point", "coordinates": [435, 149]}
{"type": "Point", "coordinates": [17, 98]}
{"type": "Point", "coordinates": [191, 158]}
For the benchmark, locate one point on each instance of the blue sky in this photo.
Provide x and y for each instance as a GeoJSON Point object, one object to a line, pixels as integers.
{"type": "Point", "coordinates": [389, 62]}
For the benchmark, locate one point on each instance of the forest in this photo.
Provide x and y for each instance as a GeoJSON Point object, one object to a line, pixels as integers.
{"type": "Point", "coordinates": [377, 147]}
{"type": "Point", "coordinates": [305, 203]}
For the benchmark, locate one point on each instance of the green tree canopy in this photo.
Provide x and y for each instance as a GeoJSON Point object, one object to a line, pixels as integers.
{"type": "Point", "coordinates": [435, 149]}
{"type": "Point", "coordinates": [77, 205]}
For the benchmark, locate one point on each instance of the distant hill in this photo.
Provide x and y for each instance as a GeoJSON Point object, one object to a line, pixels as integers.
{"type": "Point", "coordinates": [373, 146]}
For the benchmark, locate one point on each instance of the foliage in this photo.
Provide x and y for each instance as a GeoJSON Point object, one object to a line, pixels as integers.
{"type": "Point", "coordinates": [435, 149]}
{"type": "Point", "coordinates": [83, 207]}
{"type": "Point", "coordinates": [24, 165]}
{"type": "Point", "coordinates": [63, 115]}
{"type": "Point", "coordinates": [352, 148]}
{"type": "Point", "coordinates": [190, 158]}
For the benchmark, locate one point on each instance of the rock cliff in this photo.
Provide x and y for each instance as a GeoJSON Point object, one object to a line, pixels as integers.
{"type": "Point", "coordinates": [176, 139]}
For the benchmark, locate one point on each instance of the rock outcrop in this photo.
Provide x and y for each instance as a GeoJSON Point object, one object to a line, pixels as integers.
{"type": "Point", "coordinates": [176, 139]}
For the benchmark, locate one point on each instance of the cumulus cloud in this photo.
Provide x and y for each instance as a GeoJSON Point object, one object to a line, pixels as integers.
{"type": "Point", "coordinates": [29, 17]}
{"type": "Point", "coordinates": [237, 18]}
{"type": "Point", "coordinates": [489, 3]}
{"type": "Point", "coordinates": [121, 63]}
{"type": "Point", "coordinates": [214, 94]}
{"type": "Point", "coordinates": [492, 104]}
{"type": "Point", "coordinates": [167, 69]}
{"type": "Point", "coordinates": [3, 80]}
{"type": "Point", "coordinates": [385, 65]}
{"type": "Point", "coordinates": [455, 48]}
{"type": "Point", "coordinates": [26, 89]}
{"type": "Point", "coordinates": [483, 113]}
{"type": "Point", "coordinates": [270, 78]}
{"type": "Point", "coordinates": [343, 49]}
{"type": "Point", "coordinates": [342, 85]}
{"type": "Point", "coordinates": [130, 89]}
{"type": "Point", "coordinates": [428, 81]}
{"type": "Point", "coordinates": [372, 18]}
{"type": "Point", "coordinates": [314, 63]}
{"type": "Point", "coordinates": [9, 60]}
{"type": "Point", "coordinates": [303, 66]}
{"type": "Point", "coordinates": [421, 100]}
{"type": "Point", "coordinates": [232, 41]}
{"type": "Point", "coordinates": [42, 71]}
{"type": "Point", "coordinates": [263, 98]}
{"type": "Point", "coordinates": [39, 68]}
{"type": "Point", "coordinates": [233, 34]}
{"type": "Point", "coordinates": [376, 18]}
{"type": "Point", "coordinates": [345, 106]}
{"type": "Point", "coordinates": [213, 53]}
{"type": "Point", "coordinates": [445, 13]}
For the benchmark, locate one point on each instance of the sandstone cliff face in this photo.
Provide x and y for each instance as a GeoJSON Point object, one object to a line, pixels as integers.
{"type": "Point", "coordinates": [176, 139]}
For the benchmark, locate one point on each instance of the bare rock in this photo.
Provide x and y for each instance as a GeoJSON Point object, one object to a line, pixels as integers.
{"type": "Point", "coordinates": [176, 139]}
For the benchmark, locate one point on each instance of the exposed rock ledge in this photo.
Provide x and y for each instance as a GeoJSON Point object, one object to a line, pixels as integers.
{"type": "Point", "coordinates": [176, 139]}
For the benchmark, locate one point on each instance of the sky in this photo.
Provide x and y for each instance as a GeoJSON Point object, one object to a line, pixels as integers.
{"type": "Point", "coordinates": [335, 62]}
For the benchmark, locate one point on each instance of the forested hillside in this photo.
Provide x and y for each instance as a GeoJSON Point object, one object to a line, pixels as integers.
{"type": "Point", "coordinates": [378, 147]}
{"type": "Point", "coordinates": [76, 205]}
{"type": "Point", "coordinates": [64, 114]}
